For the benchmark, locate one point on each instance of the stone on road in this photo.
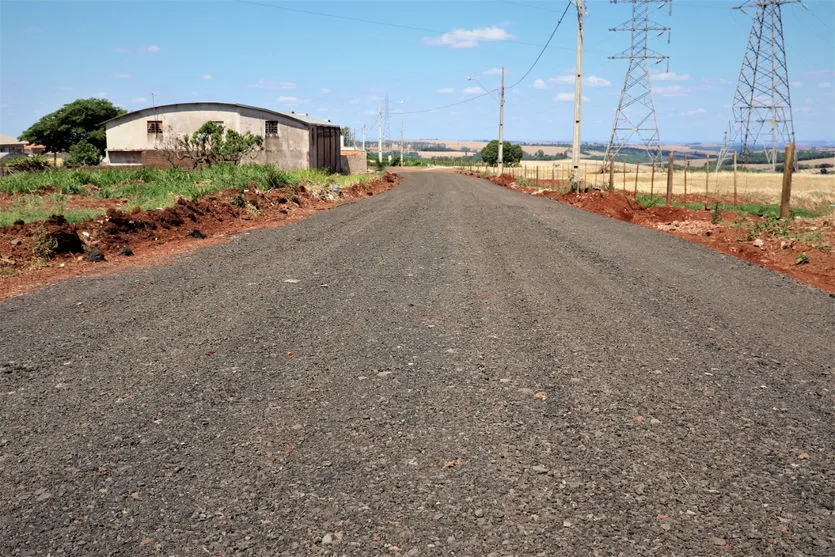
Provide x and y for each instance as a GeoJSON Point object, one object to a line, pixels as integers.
{"type": "Point", "coordinates": [485, 372]}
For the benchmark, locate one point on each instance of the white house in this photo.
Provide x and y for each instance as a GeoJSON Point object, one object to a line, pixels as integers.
{"type": "Point", "coordinates": [291, 141]}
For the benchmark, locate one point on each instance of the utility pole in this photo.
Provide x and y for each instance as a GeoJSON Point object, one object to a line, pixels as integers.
{"type": "Point", "coordinates": [762, 101]}
{"type": "Point", "coordinates": [379, 134]}
{"type": "Point", "coordinates": [401, 144]}
{"type": "Point", "coordinates": [578, 100]}
{"type": "Point", "coordinates": [501, 125]}
{"type": "Point", "coordinates": [635, 116]}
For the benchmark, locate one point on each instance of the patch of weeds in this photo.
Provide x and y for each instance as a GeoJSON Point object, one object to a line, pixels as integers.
{"type": "Point", "coordinates": [647, 201]}
{"type": "Point", "coordinates": [823, 247]}
{"type": "Point", "coordinates": [43, 244]}
{"type": "Point", "coordinates": [715, 214]}
{"type": "Point", "coordinates": [801, 259]}
{"type": "Point", "coordinates": [238, 201]}
{"type": "Point", "coordinates": [770, 226]}
{"type": "Point", "coordinates": [276, 179]}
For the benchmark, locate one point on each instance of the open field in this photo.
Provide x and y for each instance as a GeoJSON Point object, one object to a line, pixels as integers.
{"type": "Point", "coordinates": [808, 190]}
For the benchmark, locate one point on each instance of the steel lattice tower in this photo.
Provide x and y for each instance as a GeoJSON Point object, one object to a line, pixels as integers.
{"type": "Point", "coordinates": [762, 108]}
{"type": "Point", "coordinates": [635, 119]}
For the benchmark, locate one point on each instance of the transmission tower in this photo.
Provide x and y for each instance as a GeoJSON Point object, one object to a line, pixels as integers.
{"type": "Point", "coordinates": [635, 119]}
{"type": "Point", "coordinates": [762, 108]}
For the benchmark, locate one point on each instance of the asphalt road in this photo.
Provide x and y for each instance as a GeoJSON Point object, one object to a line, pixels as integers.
{"type": "Point", "coordinates": [449, 368]}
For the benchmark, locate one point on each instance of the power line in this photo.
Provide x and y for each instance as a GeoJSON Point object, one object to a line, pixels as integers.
{"type": "Point", "coordinates": [520, 80]}
{"type": "Point", "coordinates": [359, 19]}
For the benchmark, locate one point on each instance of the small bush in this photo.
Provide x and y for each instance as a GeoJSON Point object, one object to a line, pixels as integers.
{"type": "Point", "coordinates": [716, 214]}
{"type": "Point", "coordinates": [801, 259]}
{"type": "Point", "coordinates": [35, 163]}
{"type": "Point", "coordinates": [83, 154]}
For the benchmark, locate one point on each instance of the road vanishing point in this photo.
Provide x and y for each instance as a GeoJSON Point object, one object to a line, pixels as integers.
{"type": "Point", "coordinates": [448, 368]}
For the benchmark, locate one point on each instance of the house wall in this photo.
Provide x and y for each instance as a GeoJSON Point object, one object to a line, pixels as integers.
{"type": "Point", "coordinates": [289, 149]}
{"type": "Point", "coordinates": [354, 161]}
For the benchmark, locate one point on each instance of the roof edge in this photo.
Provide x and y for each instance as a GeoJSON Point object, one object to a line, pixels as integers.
{"type": "Point", "coordinates": [307, 120]}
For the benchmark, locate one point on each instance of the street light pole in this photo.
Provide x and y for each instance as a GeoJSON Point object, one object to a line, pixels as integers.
{"type": "Point", "coordinates": [501, 126]}
{"type": "Point", "coordinates": [578, 101]}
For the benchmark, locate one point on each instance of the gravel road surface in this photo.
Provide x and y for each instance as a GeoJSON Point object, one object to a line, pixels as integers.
{"type": "Point", "coordinates": [449, 368]}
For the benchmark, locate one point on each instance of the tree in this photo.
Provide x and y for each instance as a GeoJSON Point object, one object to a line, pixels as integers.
{"type": "Point", "coordinates": [212, 143]}
{"type": "Point", "coordinates": [511, 153]}
{"type": "Point", "coordinates": [80, 120]}
{"type": "Point", "coordinates": [83, 153]}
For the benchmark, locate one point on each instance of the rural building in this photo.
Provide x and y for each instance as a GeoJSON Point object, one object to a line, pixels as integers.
{"type": "Point", "coordinates": [292, 141]}
{"type": "Point", "coordinates": [9, 146]}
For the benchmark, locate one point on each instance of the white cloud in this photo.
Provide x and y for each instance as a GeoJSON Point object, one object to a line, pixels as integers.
{"type": "Point", "coordinates": [594, 81]}
{"type": "Point", "coordinates": [446, 90]}
{"type": "Point", "coordinates": [492, 71]}
{"type": "Point", "coordinates": [671, 91]}
{"type": "Point", "coordinates": [138, 100]}
{"type": "Point", "coordinates": [824, 85]}
{"type": "Point", "coordinates": [324, 90]}
{"type": "Point", "coordinates": [539, 84]}
{"type": "Point", "coordinates": [568, 98]}
{"type": "Point", "coordinates": [272, 85]}
{"type": "Point", "coordinates": [562, 79]}
{"type": "Point", "coordinates": [120, 75]}
{"type": "Point", "coordinates": [469, 38]}
{"type": "Point", "coordinates": [150, 48]}
{"type": "Point", "coordinates": [207, 76]}
{"type": "Point", "coordinates": [474, 90]}
{"type": "Point", "coordinates": [694, 112]}
{"type": "Point", "coordinates": [669, 76]}
{"type": "Point", "coordinates": [284, 99]}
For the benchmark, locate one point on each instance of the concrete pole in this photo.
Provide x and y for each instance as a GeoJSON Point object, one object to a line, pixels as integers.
{"type": "Point", "coordinates": [578, 100]}
{"type": "Point", "coordinates": [501, 125]}
{"type": "Point", "coordinates": [379, 134]}
{"type": "Point", "coordinates": [401, 144]}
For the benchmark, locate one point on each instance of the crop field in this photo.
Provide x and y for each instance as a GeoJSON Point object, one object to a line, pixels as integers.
{"type": "Point", "coordinates": [813, 191]}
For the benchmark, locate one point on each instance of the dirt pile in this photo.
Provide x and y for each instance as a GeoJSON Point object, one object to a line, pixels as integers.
{"type": "Point", "coordinates": [42, 251]}
{"type": "Point", "coordinates": [802, 249]}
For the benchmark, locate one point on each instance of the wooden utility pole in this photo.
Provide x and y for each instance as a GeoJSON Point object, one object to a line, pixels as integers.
{"type": "Point", "coordinates": [670, 178]}
{"type": "Point", "coordinates": [788, 170]}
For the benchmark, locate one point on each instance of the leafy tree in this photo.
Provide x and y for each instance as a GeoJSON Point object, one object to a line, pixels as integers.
{"type": "Point", "coordinates": [80, 120]}
{"type": "Point", "coordinates": [83, 153]}
{"type": "Point", "coordinates": [511, 153]}
{"type": "Point", "coordinates": [212, 143]}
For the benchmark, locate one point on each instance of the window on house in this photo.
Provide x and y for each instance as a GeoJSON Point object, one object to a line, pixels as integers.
{"type": "Point", "coordinates": [271, 127]}
{"type": "Point", "coordinates": [155, 126]}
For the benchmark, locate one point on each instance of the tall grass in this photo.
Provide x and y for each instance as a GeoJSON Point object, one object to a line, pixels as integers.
{"type": "Point", "coordinates": [157, 188]}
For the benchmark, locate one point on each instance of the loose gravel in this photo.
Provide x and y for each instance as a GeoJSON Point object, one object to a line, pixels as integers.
{"type": "Point", "coordinates": [449, 368]}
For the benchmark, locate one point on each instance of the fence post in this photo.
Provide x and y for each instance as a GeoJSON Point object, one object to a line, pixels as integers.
{"type": "Point", "coordinates": [637, 166]}
{"type": "Point", "coordinates": [686, 167]}
{"type": "Point", "coordinates": [788, 170]}
{"type": "Point", "coordinates": [707, 177]}
{"type": "Point", "coordinates": [624, 176]}
{"type": "Point", "coordinates": [611, 175]}
{"type": "Point", "coordinates": [652, 181]}
{"type": "Point", "coordinates": [670, 178]}
{"type": "Point", "coordinates": [734, 179]}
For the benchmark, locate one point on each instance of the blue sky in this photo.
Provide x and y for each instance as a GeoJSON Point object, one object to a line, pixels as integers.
{"type": "Point", "coordinates": [337, 60]}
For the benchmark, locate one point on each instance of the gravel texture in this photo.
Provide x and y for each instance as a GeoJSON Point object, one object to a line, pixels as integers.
{"type": "Point", "coordinates": [449, 368]}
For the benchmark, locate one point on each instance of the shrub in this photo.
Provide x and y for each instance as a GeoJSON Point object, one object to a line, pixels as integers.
{"type": "Point", "coordinates": [35, 163]}
{"type": "Point", "coordinates": [83, 153]}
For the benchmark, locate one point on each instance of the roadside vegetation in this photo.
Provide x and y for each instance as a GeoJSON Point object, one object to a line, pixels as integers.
{"type": "Point", "coordinates": [37, 195]}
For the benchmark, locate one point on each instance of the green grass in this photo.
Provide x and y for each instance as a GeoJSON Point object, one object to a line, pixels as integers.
{"type": "Point", "coordinates": [151, 188]}
{"type": "Point", "coordinates": [748, 208]}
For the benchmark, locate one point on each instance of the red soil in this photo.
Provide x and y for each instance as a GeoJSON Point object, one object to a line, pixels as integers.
{"type": "Point", "coordinates": [152, 235]}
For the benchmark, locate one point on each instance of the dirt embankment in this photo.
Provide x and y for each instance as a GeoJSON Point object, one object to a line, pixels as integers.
{"type": "Point", "coordinates": [41, 252]}
{"type": "Point", "coordinates": [802, 249]}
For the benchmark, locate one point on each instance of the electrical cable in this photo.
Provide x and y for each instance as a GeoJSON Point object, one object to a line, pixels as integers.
{"type": "Point", "coordinates": [520, 80]}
